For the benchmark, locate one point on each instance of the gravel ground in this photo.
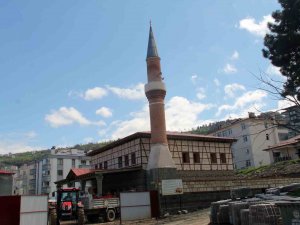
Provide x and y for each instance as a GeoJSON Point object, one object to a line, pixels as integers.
{"type": "Point", "coordinates": [200, 217]}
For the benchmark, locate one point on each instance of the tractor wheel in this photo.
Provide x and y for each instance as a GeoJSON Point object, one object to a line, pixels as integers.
{"type": "Point", "coordinates": [80, 216]}
{"type": "Point", "coordinates": [53, 216]}
{"type": "Point", "coordinates": [110, 215]}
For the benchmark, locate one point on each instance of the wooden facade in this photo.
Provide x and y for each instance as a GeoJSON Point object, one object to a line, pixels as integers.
{"type": "Point", "coordinates": [189, 152]}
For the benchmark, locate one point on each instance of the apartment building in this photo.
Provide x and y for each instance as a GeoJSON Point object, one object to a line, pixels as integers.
{"type": "Point", "coordinates": [292, 117]}
{"type": "Point", "coordinates": [253, 134]}
{"type": "Point", "coordinates": [38, 177]}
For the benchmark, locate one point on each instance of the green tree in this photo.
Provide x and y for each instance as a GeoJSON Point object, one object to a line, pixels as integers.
{"type": "Point", "coordinates": [282, 45]}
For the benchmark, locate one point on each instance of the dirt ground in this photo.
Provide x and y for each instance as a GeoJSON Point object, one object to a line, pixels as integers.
{"type": "Point", "coordinates": [200, 217]}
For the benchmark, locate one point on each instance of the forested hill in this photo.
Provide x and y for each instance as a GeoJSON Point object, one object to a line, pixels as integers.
{"type": "Point", "coordinates": [18, 159]}
{"type": "Point", "coordinates": [91, 146]}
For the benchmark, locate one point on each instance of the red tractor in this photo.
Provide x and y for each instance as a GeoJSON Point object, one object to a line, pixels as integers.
{"type": "Point", "coordinates": [68, 207]}
{"type": "Point", "coordinates": [71, 206]}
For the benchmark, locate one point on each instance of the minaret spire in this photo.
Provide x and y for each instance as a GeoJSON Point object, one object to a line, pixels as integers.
{"type": "Point", "coordinates": [160, 156]}
{"type": "Point", "coordinates": [152, 49]}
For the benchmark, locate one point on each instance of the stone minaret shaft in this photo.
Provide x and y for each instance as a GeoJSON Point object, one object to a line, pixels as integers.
{"type": "Point", "coordinates": [160, 156]}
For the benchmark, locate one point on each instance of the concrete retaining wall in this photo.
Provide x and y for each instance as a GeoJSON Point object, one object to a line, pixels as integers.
{"type": "Point", "coordinates": [226, 185]}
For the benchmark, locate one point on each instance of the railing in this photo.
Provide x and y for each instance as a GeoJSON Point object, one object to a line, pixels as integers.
{"type": "Point", "coordinates": [282, 158]}
{"type": "Point", "coordinates": [45, 190]}
{"type": "Point", "coordinates": [46, 178]}
{"type": "Point", "coordinates": [84, 166]}
{"type": "Point", "coordinates": [46, 166]}
{"type": "Point", "coordinates": [32, 181]}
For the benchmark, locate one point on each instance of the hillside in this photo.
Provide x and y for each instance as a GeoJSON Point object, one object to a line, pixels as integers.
{"type": "Point", "coordinates": [91, 146]}
{"type": "Point", "coordinates": [281, 169]}
{"type": "Point", "coordinates": [18, 159]}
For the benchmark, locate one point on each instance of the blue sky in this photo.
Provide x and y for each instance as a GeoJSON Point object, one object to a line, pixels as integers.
{"type": "Point", "coordinates": [73, 71]}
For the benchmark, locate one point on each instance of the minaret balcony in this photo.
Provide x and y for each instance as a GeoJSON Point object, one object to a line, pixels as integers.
{"type": "Point", "coordinates": [155, 85]}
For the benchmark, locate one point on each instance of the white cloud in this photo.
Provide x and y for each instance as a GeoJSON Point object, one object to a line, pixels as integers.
{"type": "Point", "coordinates": [230, 89]}
{"type": "Point", "coordinates": [235, 55]}
{"type": "Point", "coordinates": [258, 29]}
{"type": "Point", "coordinates": [139, 121]}
{"type": "Point", "coordinates": [67, 116]}
{"type": "Point", "coordinates": [194, 78]}
{"type": "Point", "coordinates": [200, 93]}
{"type": "Point", "coordinates": [16, 147]}
{"type": "Point", "coordinates": [18, 142]}
{"type": "Point", "coordinates": [217, 82]}
{"type": "Point", "coordinates": [94, 93]}
{"type": "Point", "coordinates": [134, 93]}
{"type": "Point", "coordinates": [273, 70]}
{"type": "Point", "coordinates": [243, 112]}
{"type": "Point", "coordinates": [30, 134]}
{"type": "Point", "coordinates": [284, 104]}
{"type": "Point", "coordinates": [249, 100]}
{"type": "Point", "coordinates": [75, 94]}
{"type": "Point", "coordinates": [88, 140]}
{"type": "Point", "coordinates": [104, 111]}
{"type": "Point", "coordinates": [229, 68]}
{"type": "Point", "coordinates": [181, 114]}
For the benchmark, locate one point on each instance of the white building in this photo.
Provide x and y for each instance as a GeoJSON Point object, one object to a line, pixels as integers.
{"type": "Point", "coordinates": [38, 177]}
{"type": "Point", "coordinates": [253, 135]}
{"type": "Point", "coordinates": [285, 150]}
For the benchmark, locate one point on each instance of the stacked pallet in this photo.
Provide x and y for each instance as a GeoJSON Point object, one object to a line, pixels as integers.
{"type": "Point", "coordinates": [264, 214]}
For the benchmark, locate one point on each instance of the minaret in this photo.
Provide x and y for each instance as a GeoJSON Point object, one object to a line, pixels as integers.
{"type": "Point", "coordinates": [160, 156]}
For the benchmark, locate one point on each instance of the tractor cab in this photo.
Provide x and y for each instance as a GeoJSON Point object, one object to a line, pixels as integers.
{"type": "Point", "coordinates": [68, 201]}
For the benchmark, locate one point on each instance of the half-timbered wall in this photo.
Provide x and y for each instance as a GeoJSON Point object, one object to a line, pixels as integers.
{"type": "Point", "coordinates": [110, 159]}
{"type": "Point", "coordinates": [187, 155]}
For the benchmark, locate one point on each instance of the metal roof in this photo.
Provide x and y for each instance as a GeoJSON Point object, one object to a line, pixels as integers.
{"type": "Point", "coordinates": [290, 142]}
{"type": "Point", "coordinates": [85, 174]}
{"type": "Point", "coordinates": [170, 135]}
{"type": "Point", "coordinates": [152, 50]}
{"type": "Point", "coordinates": [5, 172]}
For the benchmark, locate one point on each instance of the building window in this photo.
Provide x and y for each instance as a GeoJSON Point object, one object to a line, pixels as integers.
{"type": "Point", "coordinates": [60, 161]}
{"type": "Point", "coordinates": [96, 166]}
{"type": "Point", "coordinates": [44, 161]}
{"type": "Point", "coordinates": [83, 162]}
{"type": "Point", "coordinates": [223, 157]}
{"type": "Point", "coordinates": [120, 163]}
{"type": "Point", "coordinates": [73, 163]}
{"type": "Point", "coordinates": [248, 163]}
{"type": "Point", "coordinates": [126, 159]}
{"type": "Point", "coordinates": [245, 138]}
{"type": "Point", "coordinates": [243, 126]}
{"type": "Point", "coordinates": [105, 165]}
{"type": "Point", "coordinates": [213, 158]}
{"type": "Point", "coordinates": [100, 166]}
{"type": "Point", "coordinates": [185, 157]}
{"type": "Point", "coordinates": [247, 151]}
{"type": "Point", "coordinates": [59, 173]}
{"type": "Point", "coordinates": [267, 137]}
{"type": "Point", "coordinates": [196, 156]}
{"type": "Point", "coordinates": [133, 159]}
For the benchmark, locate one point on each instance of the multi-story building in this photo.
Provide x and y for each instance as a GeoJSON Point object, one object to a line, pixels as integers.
{"type": "Point", "coordinates": [292, 117]}
{"type": "Point", "coordinates": [24, 180]}
{"type": "Point", "coordinates": [6, 183]}
{"type": "Point", "coordinates": [285, 150]}
{"type": "Point", "coordinates": [39, 176]}
{"type": "Point", "coordinates": [253, 134]}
